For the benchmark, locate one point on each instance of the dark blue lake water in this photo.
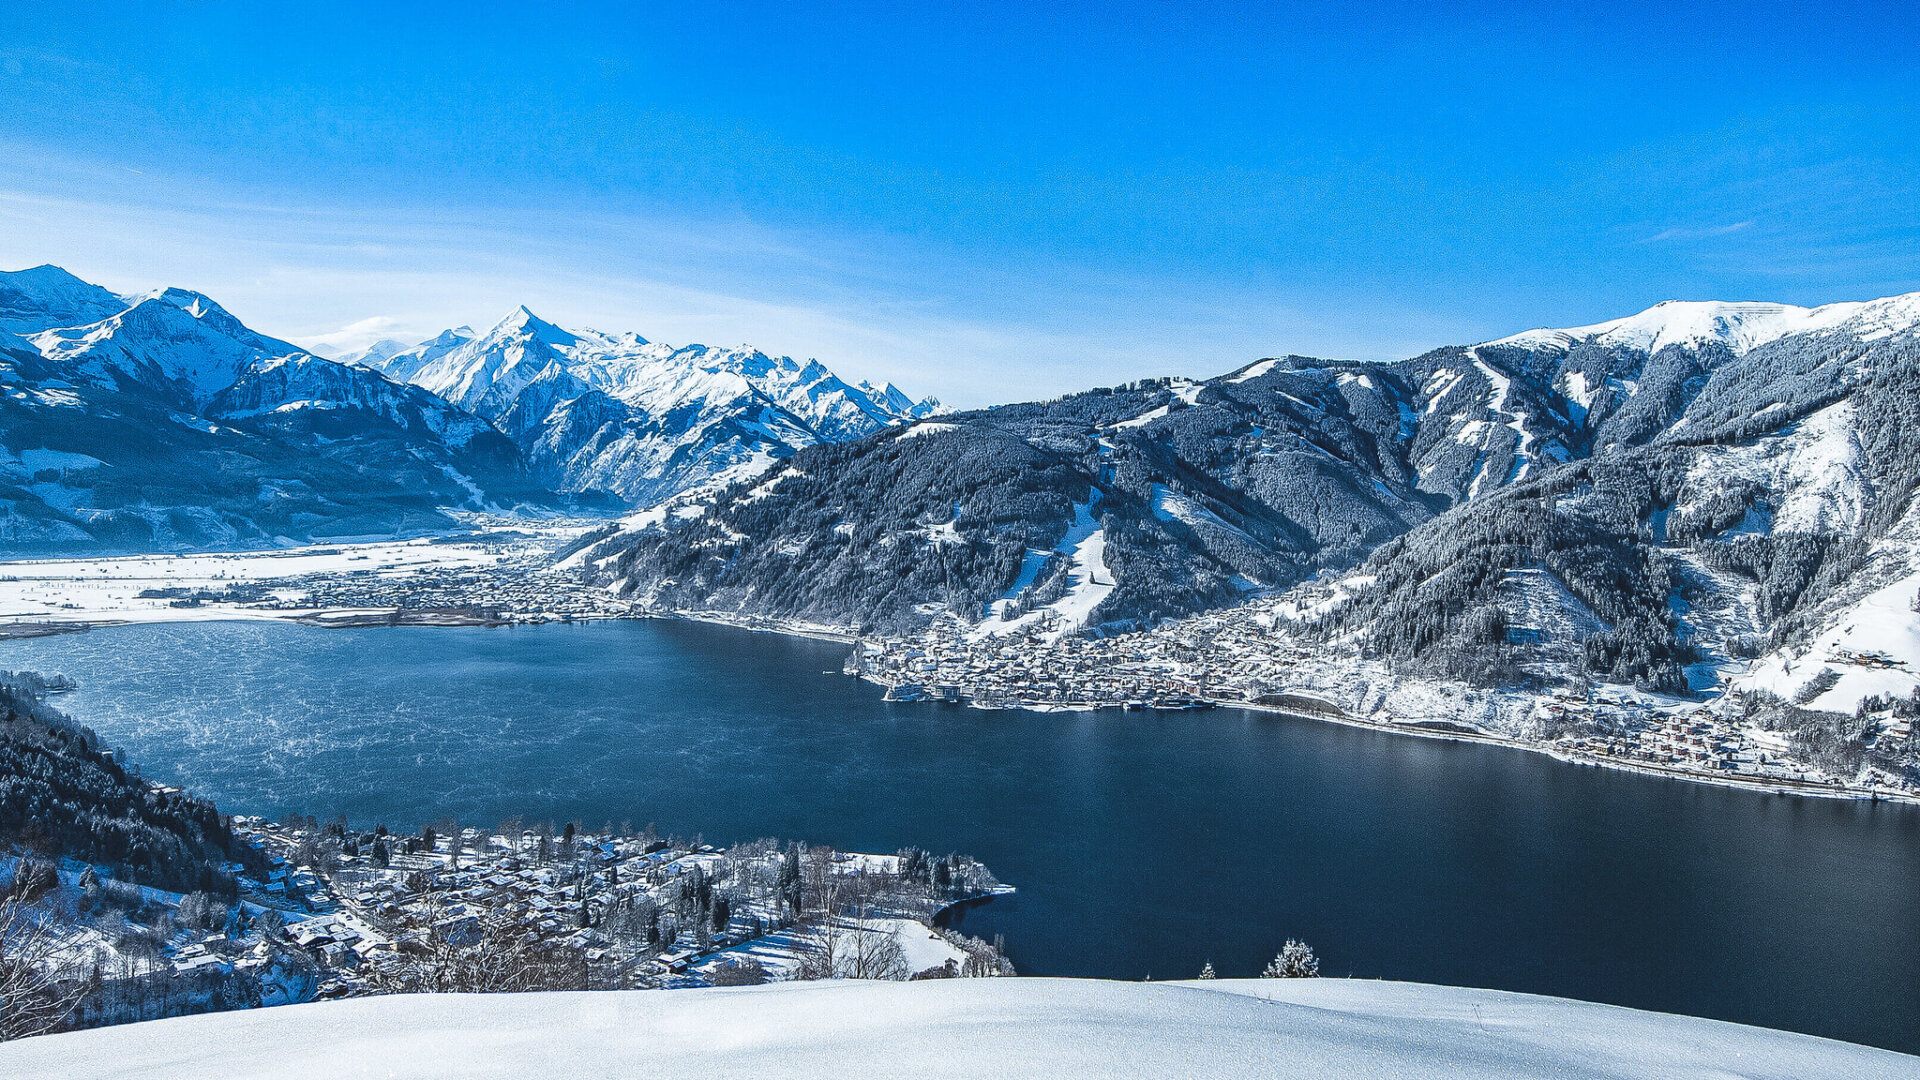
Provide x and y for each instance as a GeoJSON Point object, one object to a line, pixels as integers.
{"type": "Point", "coordinates": [1142, 844]}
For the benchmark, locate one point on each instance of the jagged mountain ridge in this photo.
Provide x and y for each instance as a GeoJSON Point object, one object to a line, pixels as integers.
{"type": "Point", "coordinates": [163, 422]}
{"type": "Point", "coordinates": [640, 421]}
{"type": "Point", "coordinates": [1635, 501]}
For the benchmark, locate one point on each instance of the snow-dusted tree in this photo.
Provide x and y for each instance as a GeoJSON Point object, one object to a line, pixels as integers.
{"type": "Point", "coordinates": [199, 911]}
{"type": "Point", "coordinates": [787, 883]}
{"type": "Point", "coordinates": [851, 948]}
{"type": "Point", "coordinates": [984, 960]}
{"type": "Point", "coordinates": [1207, 971]}
{"type": "Point", "coordinates": [1295, 961]}
{"type": "Point", "coordinates": [41, 979]}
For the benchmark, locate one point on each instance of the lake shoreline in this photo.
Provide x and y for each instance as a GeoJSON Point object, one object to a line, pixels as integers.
{"type": "Point", "coordinates": [369, 618]}
{"type": "Point", "coordinates": [1648, 769]}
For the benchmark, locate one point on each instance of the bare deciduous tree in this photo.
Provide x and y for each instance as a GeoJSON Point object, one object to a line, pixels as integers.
{"type": "Point", "coordinates": [873, 952]}
{"type": "Point", "coordinates": [458, 956]}
{"type": "Point", "coordinates": [42, 977]}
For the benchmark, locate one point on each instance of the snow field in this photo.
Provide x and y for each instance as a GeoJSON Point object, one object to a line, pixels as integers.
{"type": "Point", "coordinates": [980, 1029]}
{"type": "Point", "coordinates": [81, 590]}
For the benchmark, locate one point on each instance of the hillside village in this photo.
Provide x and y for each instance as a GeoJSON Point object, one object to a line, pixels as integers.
{"type": "Point", "coordinates": [313, 912]}
{"type": "Point", "coordinates": [462, 908]}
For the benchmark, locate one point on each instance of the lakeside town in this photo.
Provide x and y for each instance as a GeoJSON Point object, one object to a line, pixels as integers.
{"type": "Point", "coordinates": [606, 910]}
{"type": "Point", "coordinates": [1213, 660]}
{"type": "Point", "coordinates": [499, 571]}
{"type": "Point", "coordinates": [503, 576]}
{"type": "Point", "coordinates": [311, 911]}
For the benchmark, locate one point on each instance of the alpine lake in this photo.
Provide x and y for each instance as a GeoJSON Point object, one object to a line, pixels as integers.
{"type": "Point", "coordinates": [1142, 844]}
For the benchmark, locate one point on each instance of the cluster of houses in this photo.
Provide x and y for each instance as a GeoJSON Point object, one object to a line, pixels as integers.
{"type": "Point", "coordinates": [1240, 661]}
{"type": "Point", "coordinates": [377, 899]}
{"type": "Point", "coordinates": [1695, 740]}
{"type": "Point", "coordinates": [1031, 670]}
{"type": "Point", "coordinates": [366, 909]}
{"type": "Point", "coordinates": [514, 591]}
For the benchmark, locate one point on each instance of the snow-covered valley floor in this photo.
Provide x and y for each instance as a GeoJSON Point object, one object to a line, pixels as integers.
{"type": "Point", "coordinates": [973, 1028]}
{"type": "Point", "coordinates": [109, 588]}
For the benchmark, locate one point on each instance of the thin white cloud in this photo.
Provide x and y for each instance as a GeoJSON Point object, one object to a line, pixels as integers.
{"type": "Point", "coordinates": [354, 336]}
{"type": "Point", "coordinates": [1696, 234]}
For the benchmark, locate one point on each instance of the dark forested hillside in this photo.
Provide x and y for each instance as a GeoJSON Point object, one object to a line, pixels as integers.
{"type": "Point", "coordinates": [1196, 492]}
{"type": "Point", "coordinates": [1437, 599]}
{"type": "Point", "coordinates": [63, 794]}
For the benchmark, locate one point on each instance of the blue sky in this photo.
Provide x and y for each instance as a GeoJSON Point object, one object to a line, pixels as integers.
{"type": "Point", "coordinates": [984, 201]}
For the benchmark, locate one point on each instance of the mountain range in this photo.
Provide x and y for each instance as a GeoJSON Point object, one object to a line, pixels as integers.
{"type": "Point", "coordinates": [160, 422]}
{"type": "Point", "coordinates": [619, 416]}
{"type": "Point", "coordinates": [1701, 496]}
{"type": "Point", "coordinates": [1637, 502]}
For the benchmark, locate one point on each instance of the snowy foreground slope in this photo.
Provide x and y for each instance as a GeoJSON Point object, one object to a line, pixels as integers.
{"type": "Point", "coordinates": [975, 1028]}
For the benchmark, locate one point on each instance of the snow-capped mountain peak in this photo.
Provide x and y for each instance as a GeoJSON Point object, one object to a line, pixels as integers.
{"type": "Point", "coordinates": [405, 361]}
{"type": "Point", "coordinates": [1740, 327]}
{"type": "Point", "coordinates": [208, 433]}
{"type": "Point", "coordinates": [891, 395]}
{"type": "Point", "coordinates": [485, 374]}
{"type": "Point", "coordinates": [895, 400]}
{"type": "Point", "coordinates": [46, 297]}
{"type": "Point", "coordinates": [642, 419]}
{"type": "Point", "coordinates": [198, 305]}
{"type": "Point", "coordinates": [523, 323]}
{"type": "Point", "coordinates": [375, 354]}
{"type": "Point", "coordinates": [170, 340]}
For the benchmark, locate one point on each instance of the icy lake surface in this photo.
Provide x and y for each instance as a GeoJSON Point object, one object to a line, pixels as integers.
{"type": "Point", "coordinates": [1142, 844]}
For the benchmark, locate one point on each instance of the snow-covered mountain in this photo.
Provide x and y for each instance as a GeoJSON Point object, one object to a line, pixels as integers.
{"type": "Point", "coordinates": [46, 297]}
{"type": "Point", "coordinates": [1740, 327]}
{"type": "Point", "coordinates": [1650, 501]}
{"type": "Point", "coordinates": [639, 420]}
{"type": "Point", "coordinates": [171, 342]}
{"type": "Point", "coordinates": [959, 1028]}
{"type": "Point", "coordinates": [162, 421]}
{"type": "Point", "coordinates": [311, 394]}
{"type": "Point", "coordinates": [400, 361]}
{"type": "Point", "coordinates": [1734, 521]}
{"type": "Point", "coordinates": [150, 387]}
